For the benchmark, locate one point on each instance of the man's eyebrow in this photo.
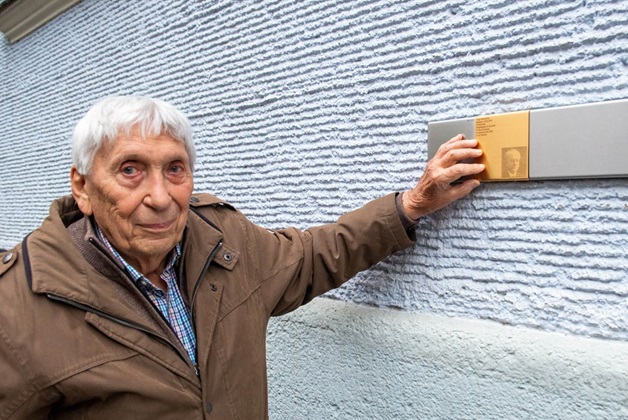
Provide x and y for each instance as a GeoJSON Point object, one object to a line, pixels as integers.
{"type": "Point", "coordinates": [123, 157]}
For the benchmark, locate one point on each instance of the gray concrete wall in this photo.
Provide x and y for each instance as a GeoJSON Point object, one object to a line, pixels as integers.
{"type": "Point", "coordinates": [333, 360]}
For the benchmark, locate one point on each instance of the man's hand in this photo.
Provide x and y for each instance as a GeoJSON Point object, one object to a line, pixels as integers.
{"type": "Point", "coordinates": [435, 190]}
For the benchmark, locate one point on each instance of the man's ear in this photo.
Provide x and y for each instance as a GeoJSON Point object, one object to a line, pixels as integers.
{"type": "Point", "coordinates": [80, 191]}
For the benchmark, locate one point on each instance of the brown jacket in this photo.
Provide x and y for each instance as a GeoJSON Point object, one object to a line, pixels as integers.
{"type": "Point", "coordinates": [78, 340]}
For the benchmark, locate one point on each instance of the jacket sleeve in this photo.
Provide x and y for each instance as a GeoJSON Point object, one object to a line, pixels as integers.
{"type": "Point", "coordinates": [296, 266]}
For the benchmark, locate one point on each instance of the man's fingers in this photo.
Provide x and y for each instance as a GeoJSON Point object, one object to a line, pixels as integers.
{"type": "Point", "coordinates": [458, 142]}
{"type": "Point", "coordinates": [461, 170]}
{"type": "Point", "coordinates": [456, 155]}
{"type": "Point", "coordinates": [460, 190]}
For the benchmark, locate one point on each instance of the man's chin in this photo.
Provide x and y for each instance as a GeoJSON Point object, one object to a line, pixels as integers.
{"type": "Point", "coordinates": [155, 247]}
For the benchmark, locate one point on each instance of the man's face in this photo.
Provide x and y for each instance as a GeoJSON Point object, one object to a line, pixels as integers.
{"type": "Point", "coordinates": [138, 192]}
{"type": "Point", "coordinates": [513, 159]}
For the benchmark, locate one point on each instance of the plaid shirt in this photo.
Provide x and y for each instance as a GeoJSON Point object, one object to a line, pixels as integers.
{"type": "Point", "coordinates": [170, 303]}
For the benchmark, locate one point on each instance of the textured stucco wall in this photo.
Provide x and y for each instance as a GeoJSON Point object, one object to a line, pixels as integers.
{"type": "Point", "coordinates": [306, 109]}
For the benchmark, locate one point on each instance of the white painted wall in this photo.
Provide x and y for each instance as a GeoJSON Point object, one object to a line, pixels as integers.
{"type": "Point", "coordinates": [306, 109]}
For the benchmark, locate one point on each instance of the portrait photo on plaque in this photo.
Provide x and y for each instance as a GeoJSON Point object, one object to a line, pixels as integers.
{"type": "Point", "coordinates": [514, 162]}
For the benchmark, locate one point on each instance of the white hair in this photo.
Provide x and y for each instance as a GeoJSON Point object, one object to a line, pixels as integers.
{"type": "Point", "coordinates": [110, 117]}
{"type": "Point", "coordinates": [512, 153]}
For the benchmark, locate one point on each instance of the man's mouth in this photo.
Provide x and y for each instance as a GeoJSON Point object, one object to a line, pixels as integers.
{"type": "Point", "coordinates": [159, 226]}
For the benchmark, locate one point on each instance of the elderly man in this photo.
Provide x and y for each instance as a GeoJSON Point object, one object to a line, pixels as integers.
{"type": "Point", "coordinates": [511, 164]}
{"type": "Point", "coordinates": [136, 299]}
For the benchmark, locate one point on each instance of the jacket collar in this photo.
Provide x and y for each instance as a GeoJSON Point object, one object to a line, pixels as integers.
{"type": "Point", "coordinates": [63, 258]}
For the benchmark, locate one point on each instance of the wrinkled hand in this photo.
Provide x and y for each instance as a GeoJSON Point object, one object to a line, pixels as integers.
{"type": "Point", "coordinates": [435, 190]}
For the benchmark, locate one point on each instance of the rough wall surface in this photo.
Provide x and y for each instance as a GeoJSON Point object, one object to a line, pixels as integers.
{"type": "Point", "coordinates": [306, 109]}
{"type": "Point", "coordinates": [344, 361]}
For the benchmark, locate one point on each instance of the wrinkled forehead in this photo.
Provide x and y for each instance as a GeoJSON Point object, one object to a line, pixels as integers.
{"type": "Point", "coordinates": [142, 132]}
{"type": "Point", "coordinates": [137, 145]}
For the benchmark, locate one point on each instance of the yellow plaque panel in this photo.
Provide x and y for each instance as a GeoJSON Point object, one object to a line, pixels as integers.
{"type": "Point", "coordinates": [504, 140]}
{"type": "Point", "coordinates": [570, 142]}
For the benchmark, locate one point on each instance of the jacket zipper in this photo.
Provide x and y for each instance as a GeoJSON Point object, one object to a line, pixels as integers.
{"type": "Point", "coordinates": [196, 286]}
{"type": "Point", "coordinates": [203, 272]}
{"type": "Point", "coordinates": [102, 314]}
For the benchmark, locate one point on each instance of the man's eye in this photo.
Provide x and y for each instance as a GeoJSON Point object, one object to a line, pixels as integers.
{"type": "Point", "coordinates": [129, 170]}
{"type": "Point", "coordinates": [176, 169]}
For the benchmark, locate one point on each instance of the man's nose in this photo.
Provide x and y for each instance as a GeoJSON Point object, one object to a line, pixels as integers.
{"type": "Point", "coordinates": [157, 192]}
